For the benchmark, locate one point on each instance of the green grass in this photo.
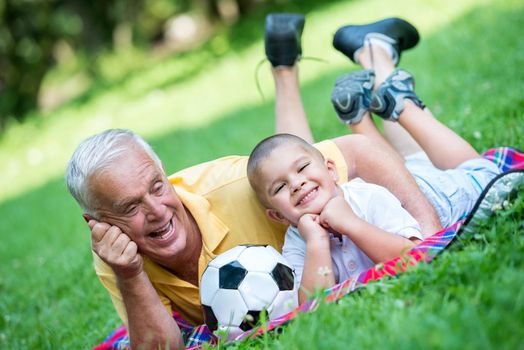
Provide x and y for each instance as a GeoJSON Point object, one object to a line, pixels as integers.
{"type": "Point", "coordinates": [203, 105]}
{"type": "Point", "coordinates": [471, 297]}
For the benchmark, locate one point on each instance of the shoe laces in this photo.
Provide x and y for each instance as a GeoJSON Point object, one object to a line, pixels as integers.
{"type": "Point", "coordinates": [264, 60]}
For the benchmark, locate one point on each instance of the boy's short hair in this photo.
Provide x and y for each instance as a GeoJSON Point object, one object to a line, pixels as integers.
{"type": "Point", "coordinates": [264, 148]}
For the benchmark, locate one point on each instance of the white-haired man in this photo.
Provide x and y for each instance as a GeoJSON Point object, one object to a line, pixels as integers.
{"type": "Point", "coordinates": [153, 235]}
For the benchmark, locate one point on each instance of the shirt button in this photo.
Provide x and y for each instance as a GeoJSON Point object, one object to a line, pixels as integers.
{"type": "Point", "coordinates": [352, 265]}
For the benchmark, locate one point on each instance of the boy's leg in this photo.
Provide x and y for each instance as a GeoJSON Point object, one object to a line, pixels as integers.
{"type": "Point", "coordinates": [377, 47]}
{"type": "Point", "coordinates": [374, 57]}
{"type": "Point", "coordinates": [283, 49]}
{"type": "Point", "coordinates": [444, 147]}
{"type": "Point", "coordinates": [351, 98]}
{"type": "Point", "coordinates": [395, 99]}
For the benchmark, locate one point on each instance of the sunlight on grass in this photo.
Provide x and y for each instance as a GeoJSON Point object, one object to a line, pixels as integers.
{"type": "Point", "coordinates": [37, 152]}
{"type": "Point", "coordinates": [202, 105]}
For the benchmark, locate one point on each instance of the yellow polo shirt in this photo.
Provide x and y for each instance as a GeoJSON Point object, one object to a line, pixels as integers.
{"type": "Point", "coordinates": [218, 195]}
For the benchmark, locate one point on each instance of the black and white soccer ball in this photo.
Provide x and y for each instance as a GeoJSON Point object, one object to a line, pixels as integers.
{"type": "Point", "coordinates": [241, 282]}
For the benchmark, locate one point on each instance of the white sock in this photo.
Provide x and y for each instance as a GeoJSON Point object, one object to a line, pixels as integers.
{"type": "Point", "coordinates": [381, 40]}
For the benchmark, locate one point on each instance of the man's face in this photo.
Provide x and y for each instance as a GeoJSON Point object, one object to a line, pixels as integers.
{"type": "Point", "coordinates": [134, 194]}
{"type": "Point", "coordinates": [295, 182]}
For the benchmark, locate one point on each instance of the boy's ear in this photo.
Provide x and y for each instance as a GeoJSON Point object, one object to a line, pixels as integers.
{"type": "Point", "coordinates": [276, 216]}
{"type": "Point", "coordinates": [332, 168]}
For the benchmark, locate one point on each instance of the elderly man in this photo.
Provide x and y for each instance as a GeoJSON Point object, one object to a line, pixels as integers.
{"type": "Point", "coordinates": [153, 235]}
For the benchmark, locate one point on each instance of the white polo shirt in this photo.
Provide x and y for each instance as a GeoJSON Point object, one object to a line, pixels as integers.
{"type": "Point", "coordinates": [371, 203]}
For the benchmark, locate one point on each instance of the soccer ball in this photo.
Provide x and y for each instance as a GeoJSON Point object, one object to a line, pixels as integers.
{"type": "Point", "coordinates": [241, 282]}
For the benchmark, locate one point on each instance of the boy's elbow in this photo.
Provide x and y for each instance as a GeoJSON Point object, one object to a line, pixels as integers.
{"type": "Point", "coordinates": [413, 241]}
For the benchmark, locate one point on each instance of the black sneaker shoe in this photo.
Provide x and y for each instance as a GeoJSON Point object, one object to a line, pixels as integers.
{"type": "Point", "coordinates": [282, 38]}
{"type": "Point", "coordinates": [400, 33]}
{"type": "Point", "coordinates": [388, 100]}
{"type": "Point", "coordinates": [351, 96]}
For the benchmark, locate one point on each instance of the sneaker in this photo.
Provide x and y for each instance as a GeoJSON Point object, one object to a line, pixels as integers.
{"type": "Point", "coordinates": [388, 100]}
{"type": "Point", "coordinates": [282, 38]}
{"type": "Point", "coordinates": [351, 96]}
{"type": "Point", "coordinates": [398, 32]}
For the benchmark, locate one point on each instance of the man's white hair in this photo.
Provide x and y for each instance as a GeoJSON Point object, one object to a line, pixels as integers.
{"type": "Point", "coordinates": [96, 153]}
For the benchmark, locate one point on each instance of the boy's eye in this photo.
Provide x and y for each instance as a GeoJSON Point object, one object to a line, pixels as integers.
{"type": "Point", "coordinates": [278, 188]}
{"type": "Point", "coordinates": [303, 167]}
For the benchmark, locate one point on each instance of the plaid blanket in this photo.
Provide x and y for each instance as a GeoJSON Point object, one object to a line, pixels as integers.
{"type": "Point", "coordinates": [506, 158]}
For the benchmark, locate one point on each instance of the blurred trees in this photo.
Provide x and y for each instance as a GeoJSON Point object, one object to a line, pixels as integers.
{"type": "Point", "coordinates": [31, 30]}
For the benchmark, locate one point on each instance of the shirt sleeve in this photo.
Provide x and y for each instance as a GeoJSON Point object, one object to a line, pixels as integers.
{"type": "Point", "coordinates": [294, 251]}
{"type": "Point", "coordinates": [379, 207]}
{"type": "Point", "coordinates": [385, 211]}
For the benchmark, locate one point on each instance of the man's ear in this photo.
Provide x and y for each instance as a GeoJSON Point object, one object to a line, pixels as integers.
{"type": "Point", "coordinates": [87, 217]}
{"type": "Point", "coordinates": [332, 168]}
{"type": "Point", "coordinates": [276, 216]}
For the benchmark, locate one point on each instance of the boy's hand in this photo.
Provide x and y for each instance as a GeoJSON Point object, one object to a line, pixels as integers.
{"type": "Point", "coordinates": [116, 249]}
{"type": "Point", "coordinates": [311, 230]}
{"type": "Point", "coordinates": [338, 216]}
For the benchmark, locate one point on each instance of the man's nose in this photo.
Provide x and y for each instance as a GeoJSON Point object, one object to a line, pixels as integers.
{"type": "Point", "coordinates": [154, 208]}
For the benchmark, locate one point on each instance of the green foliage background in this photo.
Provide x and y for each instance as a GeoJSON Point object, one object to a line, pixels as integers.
{"type": "Point", "coordinates": [204, 104]}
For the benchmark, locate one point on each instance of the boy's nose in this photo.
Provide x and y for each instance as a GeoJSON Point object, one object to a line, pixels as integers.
{"type": "Point", "coordinates": [297, 185]}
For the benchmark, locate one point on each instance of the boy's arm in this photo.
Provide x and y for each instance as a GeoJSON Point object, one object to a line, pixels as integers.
{"type": "Point", "coordinates": [373, 163]}
{"type": "Point", "coordinates": [375, 242]}
{"type": "Point", "coordinates": [318, 269]}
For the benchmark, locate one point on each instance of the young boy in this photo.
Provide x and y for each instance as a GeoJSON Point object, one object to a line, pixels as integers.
{"type": "Point", "coordinates": [336, 232]}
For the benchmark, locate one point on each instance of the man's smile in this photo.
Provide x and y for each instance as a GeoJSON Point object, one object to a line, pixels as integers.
{"type": "Point", "coordinates": [165, 232]}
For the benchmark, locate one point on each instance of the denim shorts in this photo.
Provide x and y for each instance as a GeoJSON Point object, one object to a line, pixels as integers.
{"type": "Point", "coordinates": [452, 192]}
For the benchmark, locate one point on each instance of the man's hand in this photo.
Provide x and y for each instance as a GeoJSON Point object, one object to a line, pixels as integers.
{"type": "Point", "coordinates": [116, 249]}
{"type": "Point", "coordinates": [337, 215]}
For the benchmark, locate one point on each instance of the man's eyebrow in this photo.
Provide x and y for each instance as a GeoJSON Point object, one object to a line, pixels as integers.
{"type": "Point", "coordinates": [124, 203]}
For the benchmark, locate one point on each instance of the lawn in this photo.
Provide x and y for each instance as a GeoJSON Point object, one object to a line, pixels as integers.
{"type": "Point", "coordinates": [203, 105]}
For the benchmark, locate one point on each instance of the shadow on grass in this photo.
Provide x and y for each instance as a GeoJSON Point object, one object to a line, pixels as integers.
{"type": "Point", "coordinates": [459, 69]}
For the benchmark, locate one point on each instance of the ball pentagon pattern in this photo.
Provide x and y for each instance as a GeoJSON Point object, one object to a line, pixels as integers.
{"type": "Point", "coordinates": [241, 282]}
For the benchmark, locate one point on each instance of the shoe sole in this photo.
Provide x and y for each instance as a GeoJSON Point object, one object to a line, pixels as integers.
{"type": "Point", "coordinates": [350, 38]}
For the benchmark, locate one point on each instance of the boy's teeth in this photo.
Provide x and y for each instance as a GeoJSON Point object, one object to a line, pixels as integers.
{"type": "Point", "coordinates": [307, 196]}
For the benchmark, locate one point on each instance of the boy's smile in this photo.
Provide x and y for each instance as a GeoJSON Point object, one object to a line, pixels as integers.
{"type": "Point", "coordinates": [296, 181]}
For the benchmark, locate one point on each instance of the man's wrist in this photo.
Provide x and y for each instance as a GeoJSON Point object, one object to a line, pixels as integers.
{"type": "Point", "coordinates": [124, 273]}
{"type": "Point", "coordinates": [131, 279]}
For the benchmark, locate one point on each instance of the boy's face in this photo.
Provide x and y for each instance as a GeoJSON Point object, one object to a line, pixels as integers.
{"type": "Point", "coordinates": [295, 182]}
